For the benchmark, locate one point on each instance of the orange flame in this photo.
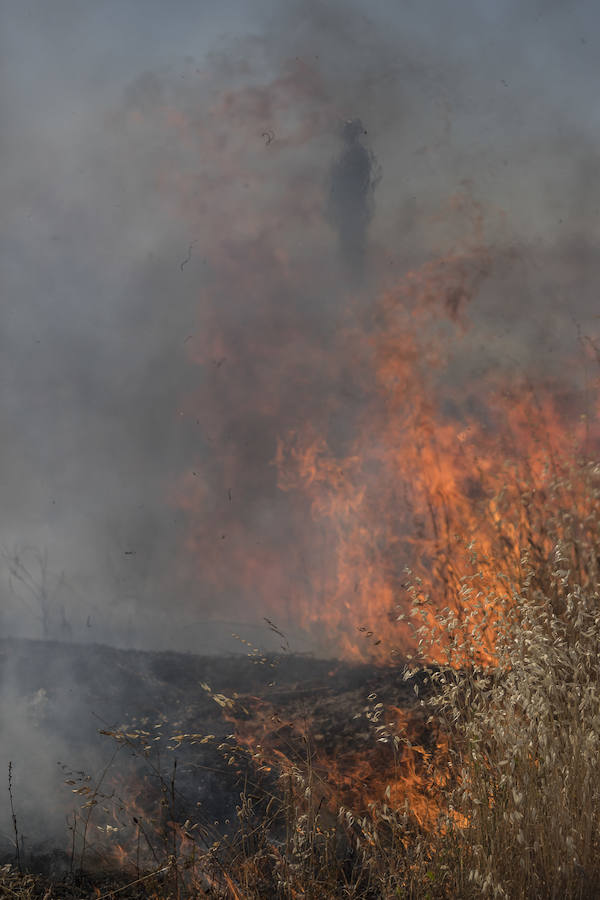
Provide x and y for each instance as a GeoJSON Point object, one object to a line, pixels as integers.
{"type": "Point", "coordinates": [435, 464]}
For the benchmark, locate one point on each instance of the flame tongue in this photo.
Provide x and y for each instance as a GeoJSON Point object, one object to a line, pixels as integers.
{"type": "Point", "coordinates": [429, 470]}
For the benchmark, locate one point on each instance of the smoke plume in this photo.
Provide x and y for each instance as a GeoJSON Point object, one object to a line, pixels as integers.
{"type": "Point", "coordinates": [189, 244]}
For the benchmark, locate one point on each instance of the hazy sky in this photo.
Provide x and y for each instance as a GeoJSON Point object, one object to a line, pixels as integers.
{"type": "Point", "coordinates": [171, 280]}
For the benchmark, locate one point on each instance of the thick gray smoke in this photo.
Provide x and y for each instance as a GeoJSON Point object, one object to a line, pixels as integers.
{"type": "Point", "coordinates": [174, 295]}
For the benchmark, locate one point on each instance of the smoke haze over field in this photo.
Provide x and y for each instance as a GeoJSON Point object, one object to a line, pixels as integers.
{"type": "Point", "coordinates": [188, 239]}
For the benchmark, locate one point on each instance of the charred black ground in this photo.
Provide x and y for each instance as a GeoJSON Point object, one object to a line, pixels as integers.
{"type": "Point", "coordinates": [168, 695]}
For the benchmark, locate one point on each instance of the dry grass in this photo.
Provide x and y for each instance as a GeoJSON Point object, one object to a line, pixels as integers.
{"type": "Point", "coordinates": [521, 808]}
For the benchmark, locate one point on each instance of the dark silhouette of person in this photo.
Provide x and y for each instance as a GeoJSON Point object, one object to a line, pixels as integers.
{"type": "Point", "coordinates": [354, 176]}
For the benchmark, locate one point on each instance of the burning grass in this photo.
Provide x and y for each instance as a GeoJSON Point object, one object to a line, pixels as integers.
{"type": "Point", "coordinates": [483, 784]}
{"type": "Point", "coordinates": [452, 528]}
{"type": "Point", "coordinates": [510, 783]}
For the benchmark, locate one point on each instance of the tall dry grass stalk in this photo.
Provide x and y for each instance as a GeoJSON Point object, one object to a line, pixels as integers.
{"type": "Point", "coordinates": [525, 734]}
